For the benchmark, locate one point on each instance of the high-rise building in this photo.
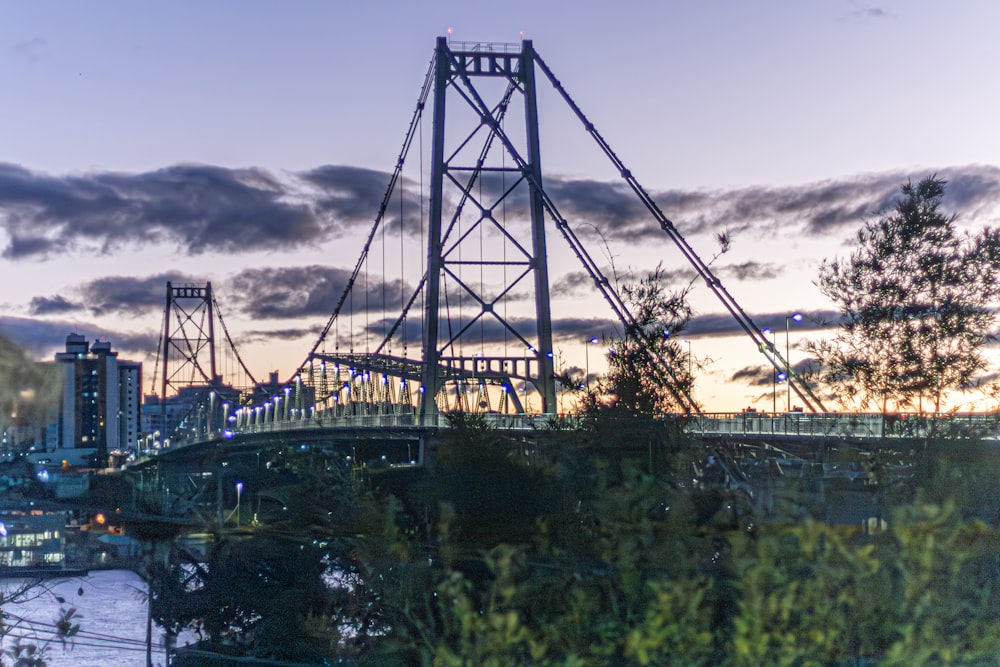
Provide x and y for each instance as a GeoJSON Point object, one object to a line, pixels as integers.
{"type": "Point", "coordinates": [130, 402]}
{"type": "Point", "coordinates": [99, 410]}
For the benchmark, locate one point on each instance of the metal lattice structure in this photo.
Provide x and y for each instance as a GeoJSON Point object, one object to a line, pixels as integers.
{"type": "Point", "coordinates": [188, 350]}
{"type": "Point", "coordinates": [488, 212]}
{"type": "Point", "coordinates": [188, 343]}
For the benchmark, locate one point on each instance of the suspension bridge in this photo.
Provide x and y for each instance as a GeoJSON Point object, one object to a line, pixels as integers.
{"type": "Point", "coordinates": [449, 306]}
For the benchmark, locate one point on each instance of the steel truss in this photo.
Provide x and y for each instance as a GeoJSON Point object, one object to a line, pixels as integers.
{"type": "Point", "coordinates": [471, 192]}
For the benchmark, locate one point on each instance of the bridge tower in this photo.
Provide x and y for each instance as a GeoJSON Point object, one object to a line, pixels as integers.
{"type": "Point", "coordinates": [484, 288]}
{"type": "Point", "coordinates": [188, 337]}
{"type": "Point", "coordinates": [467, 179]}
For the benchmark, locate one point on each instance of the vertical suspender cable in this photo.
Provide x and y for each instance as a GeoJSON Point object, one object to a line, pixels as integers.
{"type": "Point", "coordinates": [384, 251]}
{"type": "Point", "coordinates": [402, 272]}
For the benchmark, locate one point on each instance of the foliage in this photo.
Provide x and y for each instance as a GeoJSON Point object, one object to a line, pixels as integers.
{"type": "Point", "coordinates": [596, 547]}
{"type": "Point", "coordinates": [648, 369]}
{"type": "Point", "coordinates": [800, 595]}
{"type": "Point", "coordinates": [915, 300]}
{"type": "Point", "coordinates": [28, 389]}
{"type": "Point", "coordinates": [318, 494]}
{"type": "Point", "coordinates": [632, 566]}
{"type": "Point", "coordinates": [28, 646]}
{"type": "Point", "coordinates": [288, 589]}
{"type": "Point", "coordinates": [253, 593]}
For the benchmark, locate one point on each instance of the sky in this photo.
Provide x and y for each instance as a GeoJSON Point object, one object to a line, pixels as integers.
{"type": "Point", "coordinates": [250, 143]}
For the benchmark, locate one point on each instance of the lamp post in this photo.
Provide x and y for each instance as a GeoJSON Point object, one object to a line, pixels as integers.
{"type": "Point", "coordinates": [239, 492]}
{"type": "Point", "coordinates": [211, 412]}
{"type": "Point", "coordinates": [524, 383]}
{"type": "Point", "coordinates": [795, 317]}
{"type": "Point", "coordinates": [768, 331]}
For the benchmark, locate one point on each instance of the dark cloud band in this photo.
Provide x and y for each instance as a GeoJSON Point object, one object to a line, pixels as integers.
{"type": "Point", "coordinates": [208, 209]}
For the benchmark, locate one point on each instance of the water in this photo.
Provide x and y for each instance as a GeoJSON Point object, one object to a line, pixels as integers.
{"type": "Point", "coordinates": [111, 613]}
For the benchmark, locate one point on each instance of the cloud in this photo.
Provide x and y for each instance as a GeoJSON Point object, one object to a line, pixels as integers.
{"type": "Point", "coordinates": [613, 205]}
{"type": "Point", "coordinates": [748, 271]}
{"type": "Point", "coordinates": [724, 324]}
{"type": "Point", "coordinates": [818, 209]}
{"type": "Point", "coordinates": [56, 305]}
{"type": "Point", "coordinates": [121, 295]}
{"type": "Point", "coordinates": [128, 295]}
{"type": "Point", "coordinates": [352, 195]}
{"type": "Point", "coordinates": [574, 283]}
{"type": "Point", "coordinates": [43, 338]}
{"type": "Point", "coordinates": [311, 291]}
{"type": "Point", "coordinates": [488, 330]}
{"type": "Point", "coordinates": [31, 50]}
{"type": "Point", "coordinates": [208, 209]}
{"type": "Point", "coordinates": [863, 12]}
{"type": "Point", "coordinates": [262, 336]}
{"type": "Point", "coordinates": [198, 208]}
{"type": "Point", "coordinates": [578, 329]}
{"type": "Point", "coordinates": [755, 376]}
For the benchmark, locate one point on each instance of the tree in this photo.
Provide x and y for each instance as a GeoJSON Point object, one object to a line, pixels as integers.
{"type": "Point", "coordinates": [23, 642]}
{"type": "Point", "coordinates": [914, 300]}
{"type": "Point", "coordinates": [648, 370]}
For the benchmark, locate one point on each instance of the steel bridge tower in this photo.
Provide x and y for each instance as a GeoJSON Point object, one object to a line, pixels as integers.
{"type": "Point", "coordinates": [486, 246]}
{"type": "Point", "coordinates": [454, 72]}
{"type": "Point", "coordinates": [188, 338]}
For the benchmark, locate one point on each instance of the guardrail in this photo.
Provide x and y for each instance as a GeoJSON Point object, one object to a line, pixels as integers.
{"type": "Point", "coordinates": [796, 424]}
{"type": "Point", "coordinates": [860, 425]}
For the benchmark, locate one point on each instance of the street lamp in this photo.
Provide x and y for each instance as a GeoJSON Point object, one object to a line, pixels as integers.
{"type": "Point", "coordinates": [239, 492]}
{"type": "Point", "coordinates": [768, 331]}
{"type": "Point", "coordinates": [211, 411]}
{"type": "Point", "coordinates": [524, 383]}
{"type": "Point", "coordinates": [795, 317]}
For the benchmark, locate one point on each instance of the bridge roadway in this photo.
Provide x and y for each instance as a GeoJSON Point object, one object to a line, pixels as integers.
{"type": "Point", "coordinates": [401, 437]}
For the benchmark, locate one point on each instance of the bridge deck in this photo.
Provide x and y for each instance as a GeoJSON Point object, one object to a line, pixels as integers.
{"type": "Point", "coordinates": [750, 425]}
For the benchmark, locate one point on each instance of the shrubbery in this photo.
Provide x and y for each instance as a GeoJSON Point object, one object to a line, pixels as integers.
{"type": "Point", "coordinates": [630, 567]}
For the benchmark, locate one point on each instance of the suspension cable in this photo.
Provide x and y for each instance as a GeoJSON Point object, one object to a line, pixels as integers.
{"type": "Point", "coordinates": [501, 110]}
{"type": "Point", "coordinates": [410, 133]}
{"type": "Point", "coordinates": [232, 345]}
{"type": "Point", "coordinates": [680, 394]}
{"type": "Point", "coordinates": [713, 282]}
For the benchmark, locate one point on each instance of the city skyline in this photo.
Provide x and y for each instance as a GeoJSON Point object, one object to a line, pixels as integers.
{"type": "Point", "coordinates": [169, 144]}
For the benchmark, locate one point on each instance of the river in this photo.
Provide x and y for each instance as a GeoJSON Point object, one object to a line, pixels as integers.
{"type": "Point", "coordinates": [111, 611]}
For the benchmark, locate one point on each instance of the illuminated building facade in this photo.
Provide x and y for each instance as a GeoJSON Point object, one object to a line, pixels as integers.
{"type": "Point", "coordinates": [32, 540]}
{"type": "Point", "coordinates": [99, 410]}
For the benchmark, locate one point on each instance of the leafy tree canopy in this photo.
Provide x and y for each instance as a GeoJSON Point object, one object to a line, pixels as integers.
{"type": "Point", "coordinates": [648, 370]}
{"type": "Point", "coordinates": [915, 300]}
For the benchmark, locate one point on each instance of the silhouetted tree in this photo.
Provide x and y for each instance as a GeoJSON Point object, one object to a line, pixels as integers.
{"type": "Point", "coordinates": [648, 368]}
{"type": "Point", "coordinates": [915, 299]}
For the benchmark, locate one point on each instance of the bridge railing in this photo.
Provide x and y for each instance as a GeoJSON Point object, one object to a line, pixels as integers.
{"type": "Point", "coordinates": [792, 424]}
{"type": "Point", "coordinates": [859, 425]}
{"type": "Point", "coordinates": [328, 420]}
